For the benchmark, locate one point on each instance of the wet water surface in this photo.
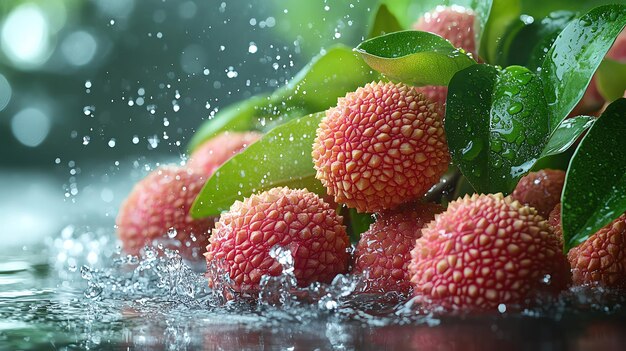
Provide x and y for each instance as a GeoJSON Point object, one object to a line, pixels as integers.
{"type": "Point", "coordinates": [91, 296]}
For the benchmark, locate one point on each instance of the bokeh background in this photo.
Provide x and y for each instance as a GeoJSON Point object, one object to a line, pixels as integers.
{"type": "Point", "coordinates": [95, 93]}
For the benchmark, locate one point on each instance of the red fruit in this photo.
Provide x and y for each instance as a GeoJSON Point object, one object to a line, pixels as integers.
{"type": "Point", "coordinates": [383, 145]}
{"type": "Point", "coordinates": [157, 209]}
{"type": "Point", "coordinates": [601, 259]}
{"type": "Point", "coordinates": [385, 249]}
{"type": "Point", "coordinates": [485, 251]}
{"type": "Point", "coordinates": [208, 157]}
{"type": "Point", "coordinates": [437, 94]}
{"type": "Point", "coordinates": [541, 190]}
{"type": "Point", "coordinates": [296, 219]}
{"type": "Point", "coordinates": [454, 23]}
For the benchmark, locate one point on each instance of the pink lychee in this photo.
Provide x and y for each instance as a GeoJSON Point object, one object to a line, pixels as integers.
{"type": "Point", "coordinates": [209, 156]}
{"type": "Point", "coordinates": [541, 190]}
{"type": "Point", "coordinates": [381, 146]}
{"type": "Point", "coordinates": [295, 219]}
{"type": "Point", "coordinates": [601, 259]}
{"type": "Point", "coordinates": [157, 210]}
{"type": "Point", "coordinates": [484, 251]}
{"type": "Point", "coordinates": [453, 23]}
{"type": "Point", "coordinates": [384, 251]}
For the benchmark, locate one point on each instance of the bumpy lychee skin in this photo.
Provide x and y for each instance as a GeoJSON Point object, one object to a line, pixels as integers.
{"type": "Point", "coordinates": [486, 250]}
{"type": "Point", "coordinates": [381, 146]}
{"type": "Point", "coordinates": [208, 157]}
{"type": "Point", "coordinates": [385, 249]}
{"type": "Point", "coordinates": [601, 259]}
{"type": "Point", "coordinates": [158, 209]}
{"type": "Point", "coordinates": [295, 219]}
{"type": "Point", "coordinates": [541, 190]}
{"type": "Point", "coordinates": [454, 23]}
{"type": "Point", "coordinates": [436, 94]}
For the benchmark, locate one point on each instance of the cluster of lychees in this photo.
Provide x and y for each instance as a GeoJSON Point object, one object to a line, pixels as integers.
{"type": "Point", "coordinates": [379, 151]}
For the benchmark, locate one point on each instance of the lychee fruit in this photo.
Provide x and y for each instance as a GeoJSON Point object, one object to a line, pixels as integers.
{"type": "Point", "coordinates": [209, 156]}
{"type": "Point", "coordinates": [381, 146]}
{"type": "Point", "coordinates": [454, 23]}
{"type": "Point", "coordinates": [384, 251]}
{"type": "Point", "coordinates": [541, 190]}
{"type": "Point", "coordinates": [601, 259]}
{"type": "Point", "coordinates": [437, 94]}
{"type": "Point", "coordinates": [157, 210]}
{"type": "Point", "coordinates": [484, 251]}
{"type": "Point", "coordinates": [297, 220]}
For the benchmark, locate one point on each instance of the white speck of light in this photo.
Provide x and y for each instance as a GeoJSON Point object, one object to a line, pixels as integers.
{"type": "Point", "coordinates": [231, 73]}
{"type": "Point", "coordinates": [252, 48]}
{"type": "Point", "coordinates": [30, 126]}
{"type": "Point", "coordinates": [79, 48]}
{"type": "Point", "coordinates": [88, 84]}
{"type": "Point", "coordinates": [25, 36]}
{"type": "Point", "coordinates": [112, 142]}
{"type": "Point", "coordinates": [5, 92]}
{"type": "Point", "coordinates": [135, 140]}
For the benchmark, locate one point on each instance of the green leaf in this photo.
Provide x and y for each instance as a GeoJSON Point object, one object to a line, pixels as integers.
{"type": "Point", "coordinates": [541, 8]}
{"type": "Point", "coordinates": [566, 134]}
{"type": "Point", "coordinates": [281, 158]}
{"type": "Point", "coordinates": [595, 185]}
{"type": "Point", "coordinates": [383, 22]}
{"type": "Point", "coordinates": [526, 44]}
{"type": "Point", "coordinates": [358, 223]}
{"type": "Point", "coordinates": [494, 24]}
{"type": "Point", "coordinates": [575, 55]}
{"type": "Point", "coordinates": [315, 88]}
{"type": "Point", "coordinates": [611, 79]}
{"type": "Point", "coordinates": [496, 125]}
{"type": "Point", "coordinates": [482, 9]}
{"type": "Point", "coordinates": [414, 57]}
{"type": "Point", "coordinates": [327, 77]}
{"type": "Point", "coordinates": [236, 117]}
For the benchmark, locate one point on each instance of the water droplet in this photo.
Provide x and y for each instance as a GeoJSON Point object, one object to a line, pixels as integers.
{"type": "Point", "coordinates": [515, 108]}
{"type": "Point", "coordinates": [171, 233]}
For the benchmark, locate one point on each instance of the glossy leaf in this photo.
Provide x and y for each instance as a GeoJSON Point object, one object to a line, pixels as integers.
{"type": "Point", "coordinates": [358, 223]}
{"type": "Point", "coordinates": [611, 79]}
{"type": "Point", "coordinates": [496, 125]}
{"type": "Point", "coordinates": [281, 158]}
{"type": "Point", "coordinates": [328, 76]}
{"type": "Point", "coordinates": [575, 55]}
{"type": "Point", "coordinates": [595, 185]}
{"type": "Point", "coordinates": [501, 14]}
{"type": "Point", "coordinates": [526, 44]}
{"type": "Point", "coordinates": [383, 22]}
{"type": "Point", "coordinates": [566, 134]}
{"type": "Point", "coordinates": [541, 8]}
{"type": "Point", "coordinates": [414, 57]}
